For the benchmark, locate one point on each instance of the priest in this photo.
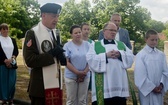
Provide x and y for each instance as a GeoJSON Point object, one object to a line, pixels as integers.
{"type": "Point", "coordinates": [108, 60]}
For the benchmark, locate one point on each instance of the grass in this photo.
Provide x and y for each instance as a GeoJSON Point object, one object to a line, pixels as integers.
{"type": "Point", "coordinates": [22, 83]}
{"type": "Point", "coordinates": [23, 80]}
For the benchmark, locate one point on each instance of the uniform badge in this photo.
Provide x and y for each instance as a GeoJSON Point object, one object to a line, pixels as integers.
{"type": "Point", "coordinates": [46, 46]}
{"type": "Point", "coordinates": [29, 43]}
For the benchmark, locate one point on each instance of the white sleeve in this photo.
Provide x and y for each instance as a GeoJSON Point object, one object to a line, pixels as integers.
{"type": "Point", "coordinates": [141, 76]}
{"type": "Point", "coordinates": [97, 62]}
{"type": "Point", "coordinates": [127, 57]}
{"type": "Point", "coordinates": [164, 78]}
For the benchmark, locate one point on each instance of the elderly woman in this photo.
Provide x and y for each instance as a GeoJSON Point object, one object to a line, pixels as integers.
{"type": "Point", "coordinates": [8, 54]}
{"type": "Point", "coordinates": [77, 71]}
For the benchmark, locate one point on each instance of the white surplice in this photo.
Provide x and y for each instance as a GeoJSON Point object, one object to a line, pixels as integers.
{"type": "Point", "coordinates": [150, 70]}
{"type": "Point", "coordinates": [115, 74]}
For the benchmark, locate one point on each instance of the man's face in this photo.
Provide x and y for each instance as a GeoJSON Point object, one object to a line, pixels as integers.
{"type": "Point", "coordinates": [110, 32]}
{"type": "Point", "coordinates": [85, 30]}
{"type": "Point", "coordinates": [116, 20]}
{"type": "Point", "coordinates": [152, 41]}
{"type": "Point", "coordinates": [50, 20]}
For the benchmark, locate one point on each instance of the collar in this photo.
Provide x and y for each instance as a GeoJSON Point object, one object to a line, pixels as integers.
{"type": "Point", "coordinates": [108, 41]}
{"type": "Point", "coordinates": [49, 30]}
{"type": "Point", "coordinates": [149, 49]}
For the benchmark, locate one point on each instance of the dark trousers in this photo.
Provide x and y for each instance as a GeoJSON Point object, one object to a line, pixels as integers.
{"type": "Point", "coordinates": [37, 100]}
{"type": "Point", "coordinates": [113, 101]}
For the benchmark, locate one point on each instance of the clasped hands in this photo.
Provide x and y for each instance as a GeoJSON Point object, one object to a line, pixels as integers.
{"type": "Point", "coordinates": [8, 63]}
{"type": "Point", "coordinates": [113, 54]}
{"type": "Point", "coordinates": [81, 76]}
{"type": "Point", "coordinates": [158, 89]}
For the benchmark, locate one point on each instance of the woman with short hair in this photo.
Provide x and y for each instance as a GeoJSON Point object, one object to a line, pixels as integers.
{"type": "Point", "coordinates": [8, 54]}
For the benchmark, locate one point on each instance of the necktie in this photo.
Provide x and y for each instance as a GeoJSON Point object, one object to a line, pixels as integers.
{"type": "Point", "coordinates": [54, 40]}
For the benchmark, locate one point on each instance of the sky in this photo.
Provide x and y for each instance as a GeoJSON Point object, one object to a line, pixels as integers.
{"type": "Point", "coordinates": [157, 8]}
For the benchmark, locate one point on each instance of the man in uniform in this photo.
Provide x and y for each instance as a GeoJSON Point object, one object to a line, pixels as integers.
{"type": "Point", "coordinates": [43, 55]}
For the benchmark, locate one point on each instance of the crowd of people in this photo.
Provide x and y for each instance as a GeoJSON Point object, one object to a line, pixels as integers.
{"type": "Point", "coordinates": [96, 66]}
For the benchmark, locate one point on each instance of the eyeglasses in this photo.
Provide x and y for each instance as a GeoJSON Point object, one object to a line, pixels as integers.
{"type": "Point", "coordinates": [111, 30]}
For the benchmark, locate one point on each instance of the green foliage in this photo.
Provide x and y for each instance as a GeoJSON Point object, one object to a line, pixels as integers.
{"type": "Point", "coordinates": [19, 43]}
{"type": "Point", "coordinates": [28, 15]}
{"type": "Point", "coordinates": [156, 25]}
{"type": "Point", "coordinates": [165, 32]}
{"type": "Point", "coordinates": [19, 14]}
{"type": "Point", "coordinates": [73, 13]}
{"type": "Point", "coordinates": [134, 17]}
{"type": "Point", "coordinates": [7, 9]}
{"type": "Point", "coordinates": [94, 33]}
{"type": "Point", "coordinates": [166, 24]}
{"type": "Point", "coordinates": [160, 45]}
{"type": "Point", "coordinates": [138, 47]}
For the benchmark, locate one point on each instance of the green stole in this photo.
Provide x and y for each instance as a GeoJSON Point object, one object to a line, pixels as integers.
{"type": "Point", "coordinates": [99, 79]}
{"type": "Point", "coordinates": [89, 40]}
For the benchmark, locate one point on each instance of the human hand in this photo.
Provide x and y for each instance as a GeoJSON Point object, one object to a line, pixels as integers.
{"type": "Point", "coordinates": [61, 57]}
{"type": "Point", "coordinates": [80, 76]}
{"type": "Point", "coordinates": [160, 86]}
{"type": "Point", "coordinates": [81, 73]}
{"type": "Point", "coordinates": [85, 72]}
{"type": "Point", "coordinates": [113, 54]}
{"type": "Point", "coordinates": [7, 62]}
{"type": "Point", "coordinates": [80, 79]}
{"type": "Point", "coordinates": [157, 89]}
{"type": "Point", "coordinates": [116, 54]}
{"type": "Point", "coordinates": [56, 51]}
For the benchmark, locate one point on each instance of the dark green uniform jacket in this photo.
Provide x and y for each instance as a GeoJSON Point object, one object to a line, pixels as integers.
{"type": "Point", "coordinates": [35, 61]}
